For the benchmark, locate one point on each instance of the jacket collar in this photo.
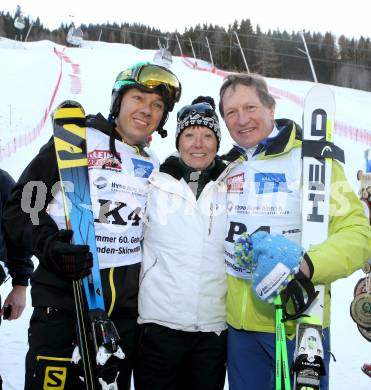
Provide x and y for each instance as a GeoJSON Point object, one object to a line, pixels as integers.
{"type": "Point", "coordinates": [170, 179]}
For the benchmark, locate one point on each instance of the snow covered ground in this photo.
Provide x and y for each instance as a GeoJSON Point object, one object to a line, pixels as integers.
{"type": "Point", "coordinates": [35, 77]}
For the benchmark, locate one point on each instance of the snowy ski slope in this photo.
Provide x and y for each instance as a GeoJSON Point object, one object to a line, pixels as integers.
{"type": "Point", "coordinates": [35, 77]}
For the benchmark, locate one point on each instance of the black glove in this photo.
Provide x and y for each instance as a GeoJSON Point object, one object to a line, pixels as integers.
{"type": "Point", "coordinates": [300, 291]}
{"type": "Point", "coordinates": [68, 260]}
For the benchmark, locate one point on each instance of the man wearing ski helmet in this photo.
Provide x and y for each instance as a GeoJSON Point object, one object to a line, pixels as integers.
{"type": "Point", "coordinates": [264, 196]}
{"type": "Point", "coordinates": [119, 164]}
{"type": "Point", "coordinates": [141, 77]}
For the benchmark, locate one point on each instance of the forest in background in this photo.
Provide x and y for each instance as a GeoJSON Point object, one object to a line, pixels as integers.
{"type": "Point", "coordinates": [337, 60]}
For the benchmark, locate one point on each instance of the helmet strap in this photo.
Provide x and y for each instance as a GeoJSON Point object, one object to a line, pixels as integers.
{"type": "Point", "coordinates": [160, 129]}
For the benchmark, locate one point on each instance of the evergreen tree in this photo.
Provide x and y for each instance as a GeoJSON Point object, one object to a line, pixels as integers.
{"type": "Point", "coordinates": [2, 26]}
{"type": "Point", "coordinates": [267, 63]}
{"type": "Point", "coordinates": [346, 62]}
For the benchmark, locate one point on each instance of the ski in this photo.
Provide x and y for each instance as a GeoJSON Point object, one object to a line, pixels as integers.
{"type": "Point", "coordinates": [97, 336]}
{"type": "Point", "coordinates": [318, 151]}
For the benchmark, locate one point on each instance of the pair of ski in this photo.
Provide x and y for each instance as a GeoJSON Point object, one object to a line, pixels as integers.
{"type": "Point", "coordinates": [318, 151]}
{"type": "Point", "coordinates": [98, 341]}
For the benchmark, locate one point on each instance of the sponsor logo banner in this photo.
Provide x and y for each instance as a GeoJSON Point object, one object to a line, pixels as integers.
{"type": "Point", "coordinates": [267, 182]}
{"type": "Point", "coordinates": [103, 159]}
{"type": "Point", "coordinates": [142, 168]}
{"type": "Point", "coordinates": [235, 183]}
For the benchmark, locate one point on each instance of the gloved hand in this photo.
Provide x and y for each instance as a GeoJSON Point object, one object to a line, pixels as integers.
{"type": "Point", "coordinates": [301, 293]}
{"type": "Point", "coordinates": [68, 260]}
{"type": "Point", "coordinates": [273, 261]}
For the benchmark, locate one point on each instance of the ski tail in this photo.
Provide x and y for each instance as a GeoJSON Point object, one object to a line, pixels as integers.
{"type": "Point", "coordinates": [83, 350]}
{"type": "Point", "coordinates": [308, 365]}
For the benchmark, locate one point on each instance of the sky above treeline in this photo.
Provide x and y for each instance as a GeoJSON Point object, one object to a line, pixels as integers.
{"type": "Point", "coordinates": [314, 16]}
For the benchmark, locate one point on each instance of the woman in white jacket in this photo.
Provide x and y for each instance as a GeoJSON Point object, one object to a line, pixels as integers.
{"type": "Point", "coordinates": [183, 280]}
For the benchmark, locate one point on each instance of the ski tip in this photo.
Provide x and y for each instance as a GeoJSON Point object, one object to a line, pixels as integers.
{"type": "Point", "coordinates": [68, 109]}
{"type": "Point", "coordinates": [321, 91]}
{"type": "Point", "coordinates": [70, 104]}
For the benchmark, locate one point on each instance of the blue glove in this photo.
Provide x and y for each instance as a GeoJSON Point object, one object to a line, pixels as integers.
{"type": "Point", "coordinates": [273, 261]}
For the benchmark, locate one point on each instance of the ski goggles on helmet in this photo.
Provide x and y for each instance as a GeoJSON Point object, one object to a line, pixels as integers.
{"type": "Point", "coordinates": [203, 109]}
{"type": "Point", "coordinates": [152, 76]}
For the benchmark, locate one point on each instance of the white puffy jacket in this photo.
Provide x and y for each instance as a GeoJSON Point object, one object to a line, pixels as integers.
{"type": "Point", "coordinates": [183, 276]}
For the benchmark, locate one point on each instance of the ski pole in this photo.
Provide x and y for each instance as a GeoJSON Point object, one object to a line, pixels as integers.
{"type": "Point", "coordinates": [281, 349]}
{"type": "Point", "coordinates": [277, 303]}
